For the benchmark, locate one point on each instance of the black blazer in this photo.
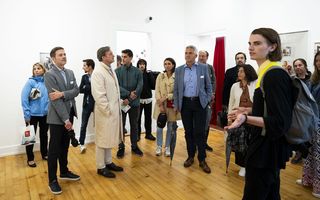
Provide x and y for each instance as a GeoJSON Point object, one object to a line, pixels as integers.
{"type": "Point", "coordinates": [230, 77]}
{"type": "Point", "coordinates": [85, 88]}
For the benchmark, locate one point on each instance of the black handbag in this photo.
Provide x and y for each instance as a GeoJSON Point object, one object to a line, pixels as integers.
{"type": "Point", "coordinates": [222, 118]}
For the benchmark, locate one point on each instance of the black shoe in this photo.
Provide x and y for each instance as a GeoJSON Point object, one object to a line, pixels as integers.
{"type": "Point", "coordinates": [188, 162]}
{"type": "Point", "coordinates": [31, 163]}
{"type": "Point", "coordinates": [137, 151]}
{"type": "Point", "coordinates": [120, 153]}
{"type": "Point", "coordinates": [114, 167]}
{"type": "Point", "coordinates": [54, 187]}
{"type": "Point", "coordinates": [106, 173]}
{"type": "Point", "coordinates": [208, 148]}
{"type": "Point", "coordinates": [45, 158]}
{"type": "Point", "coordinates": [204, 166]}
{"type": "Point", "coordinates": [69, 176]}
{"type": "Point", "coordinates": [150, 137]}
{"type": "Point", "coordinates": [125, 130]}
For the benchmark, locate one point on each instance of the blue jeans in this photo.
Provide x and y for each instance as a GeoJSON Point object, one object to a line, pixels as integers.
{"type": "Point", "coordinates": [171, 129]}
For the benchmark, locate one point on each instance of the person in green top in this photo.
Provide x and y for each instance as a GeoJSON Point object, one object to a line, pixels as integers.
{"type": "Point", "coordinates": [131, 82]}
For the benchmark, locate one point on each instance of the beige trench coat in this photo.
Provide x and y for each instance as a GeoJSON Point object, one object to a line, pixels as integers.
{"type": "Point", "coordinates": [164, 88]}
{"type": "Point", "coordinates": [107, 112]}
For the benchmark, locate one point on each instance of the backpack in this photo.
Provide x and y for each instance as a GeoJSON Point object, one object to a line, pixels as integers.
{"type": "Point", "coordinates": [305, 113]}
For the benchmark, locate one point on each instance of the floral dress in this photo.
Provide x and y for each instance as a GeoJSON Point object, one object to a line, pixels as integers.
{"type": "Point", "coordinates": [311, 167]}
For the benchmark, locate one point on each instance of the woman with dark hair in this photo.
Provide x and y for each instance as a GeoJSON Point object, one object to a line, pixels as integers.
{"type": "Point", "coordinates": [241, 95]}
{"type": "Point", "coordinates": [301, 70]}
{"type": "Point", "coordinates": [164, 104]}
{"type": "Point", "coordinates": [311, 166]}
{"type": "Point", "coordinates": [146, 100]}
{"type": "Point", "coordinates": [34, 101]}
{"type": "Point", "coordinates": [270, 117]}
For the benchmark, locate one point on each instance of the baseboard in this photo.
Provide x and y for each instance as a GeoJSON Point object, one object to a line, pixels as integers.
{"type": "Point", "coordinates": [20, 149]}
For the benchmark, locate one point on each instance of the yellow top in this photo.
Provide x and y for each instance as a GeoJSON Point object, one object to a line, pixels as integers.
{"type": "Point", "coordinates": [263, 68]}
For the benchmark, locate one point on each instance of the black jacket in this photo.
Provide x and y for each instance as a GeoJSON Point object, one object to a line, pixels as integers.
{"type": "Point", "coordinates": [272, 150]}
{"type": "Point", "coordinates": [230, 78]}
{"type": "Point", "coordinates": [148, 85]}
{"type": "Point", "coordinates": [85, 88]}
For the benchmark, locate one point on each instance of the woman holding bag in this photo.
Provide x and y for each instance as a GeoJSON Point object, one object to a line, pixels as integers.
{"type": "Point", "coordinates": [34, 101]}
{"type": "Point", "coordinates": [164, 104]}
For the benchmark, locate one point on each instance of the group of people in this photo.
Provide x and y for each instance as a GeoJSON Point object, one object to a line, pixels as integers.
{"type": "Point", "coordinates": [112, 94]}
{"type": "Point", "coordinates": [185, 92]}
{"type": "Point", "coordinates": [267, 116]}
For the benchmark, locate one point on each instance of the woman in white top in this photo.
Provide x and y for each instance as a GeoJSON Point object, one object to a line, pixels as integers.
{"type": "Point", "coordinates": [241, 95]}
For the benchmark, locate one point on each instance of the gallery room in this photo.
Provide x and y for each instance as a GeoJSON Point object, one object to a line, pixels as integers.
{"type": "Point", "coordinates": [153, 30]}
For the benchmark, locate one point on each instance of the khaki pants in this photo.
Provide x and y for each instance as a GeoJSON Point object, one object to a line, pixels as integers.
{"type": "Point", "coordinates": [103, 157]}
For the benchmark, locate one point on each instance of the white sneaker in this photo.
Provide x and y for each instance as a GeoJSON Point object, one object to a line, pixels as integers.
{"type": "Point", "coordinates": [158, 150]}
{"type": "Point", "coordinates": [83, 149]}
{"type": "Point", "coordinates": [316, 195]}
{"type": "Point", "coordinates": [299, 181]}
{"type": "Point", "coordinates": [167, 153]}
{"type": "Point", "coordinates": [242, 171]}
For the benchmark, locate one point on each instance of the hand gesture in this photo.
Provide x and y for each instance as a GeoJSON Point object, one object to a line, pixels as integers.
{"type": "Point", "coordinates": [133, 95]}
{"type": "Point", "coordinates": [240, 119]}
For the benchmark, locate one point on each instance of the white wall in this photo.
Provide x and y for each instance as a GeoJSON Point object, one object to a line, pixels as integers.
{"type": "Point", "coordinates": [81, 27]}
{"type": "Point", "coordinates": [238, 18]}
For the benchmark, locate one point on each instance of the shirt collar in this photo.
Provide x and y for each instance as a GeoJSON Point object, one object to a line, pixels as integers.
{"type": "Point", "coordinates": [193, 65]}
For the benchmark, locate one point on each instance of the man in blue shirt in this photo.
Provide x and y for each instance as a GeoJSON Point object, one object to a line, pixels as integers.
{"type": "Point", "coordinates": [192, 94]}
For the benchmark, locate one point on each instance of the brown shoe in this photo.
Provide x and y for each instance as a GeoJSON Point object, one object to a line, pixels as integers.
{"type": "Point", "coordinates": [188, 162]}
{"type": "Point", "coordinates": [204, 166]}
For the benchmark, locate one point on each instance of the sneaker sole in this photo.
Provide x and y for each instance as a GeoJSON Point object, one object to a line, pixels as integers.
{"type": "Point", "coordinates": [53, 191]}
{"type": "Point", "coordinates": [69, 179]}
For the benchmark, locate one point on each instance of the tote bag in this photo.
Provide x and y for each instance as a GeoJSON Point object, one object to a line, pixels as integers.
{"type": "Point", "coordinates": [28, 135]}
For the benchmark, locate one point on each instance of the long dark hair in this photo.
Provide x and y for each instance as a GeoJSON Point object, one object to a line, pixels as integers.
{"type": "Point", "coordinates": [315, 78]}
{"type": "Point", "coordinates": [251, 74]}
{"type": "Point", "coordinates": [173, 63]}
{"type": "Point", "coordinates": [142, 61]}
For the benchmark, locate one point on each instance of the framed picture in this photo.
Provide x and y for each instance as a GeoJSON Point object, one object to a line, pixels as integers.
{"type": "Point", "coordinates": [316, 47]}
{"type": "Point", "coordinates": [286, 51]}
{"type": "Point", "coordinates": [45, 60]}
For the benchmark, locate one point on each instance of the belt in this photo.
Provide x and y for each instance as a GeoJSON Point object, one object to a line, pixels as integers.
{"type": "Point", "coordinates": [191, 98]}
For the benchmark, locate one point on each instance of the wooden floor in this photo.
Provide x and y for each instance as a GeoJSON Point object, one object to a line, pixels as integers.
{"type": "Point", "coordinates": [149, 177]}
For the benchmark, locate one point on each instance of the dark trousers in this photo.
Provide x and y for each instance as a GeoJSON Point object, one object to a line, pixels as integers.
{"type": "Point", "coordinates": [194, 120]}
{"type": "Point", "coordinates": [133, 119]}
{"type": "Point", "coordinates": [58, 149]}
{"type": "Point", "coordinates": [240, 158]}
{"type": "Point", "coordinates": [147, 118]}
{"type": "Point", "coordinates": [42, 121]}
{"type": "Point", "coordinates": [262, 184]}
{"type": "Point", "coordinates": [208, 119]}
{"type": "Point", "coordinates": [86, 112]}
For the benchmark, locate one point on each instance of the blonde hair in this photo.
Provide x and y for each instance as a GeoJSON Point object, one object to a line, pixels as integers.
{"type": "Point", "coordinates": [39, 65]}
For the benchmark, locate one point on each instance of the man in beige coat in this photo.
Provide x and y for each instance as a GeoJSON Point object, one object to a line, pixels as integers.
{"type": "Point", "coordinates": [108, 120]}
